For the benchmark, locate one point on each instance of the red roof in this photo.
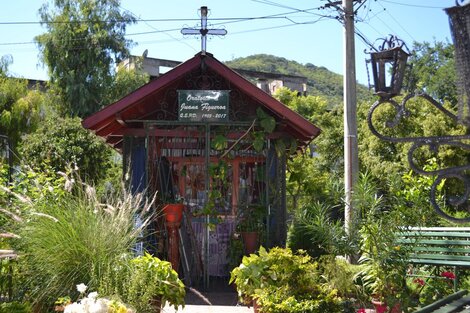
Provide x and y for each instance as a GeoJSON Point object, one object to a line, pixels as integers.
{"type": "Point", "coordinates": [110, 122]}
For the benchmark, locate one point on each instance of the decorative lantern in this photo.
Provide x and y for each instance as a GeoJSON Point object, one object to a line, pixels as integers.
{"type": "Point", "coordinates": [388, 67]}
{"type": "Point", "coordinates": [459, 19]}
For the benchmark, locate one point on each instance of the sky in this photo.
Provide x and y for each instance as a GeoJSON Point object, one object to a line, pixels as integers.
{"type": "Point", "coordinates": [297, 30]}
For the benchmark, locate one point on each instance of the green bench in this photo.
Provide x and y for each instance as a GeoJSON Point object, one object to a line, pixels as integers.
{"type": "Point", "coordinates": [438, 246]}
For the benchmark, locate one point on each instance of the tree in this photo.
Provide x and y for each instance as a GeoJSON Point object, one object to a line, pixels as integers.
{"type": "Point", "coordinates": [84, 40]}
{"type": "Point", "coordinates": [433, 70]}
{"type": "Point", "coordinates": [20, 107]}
{"type": "Point", "coordinates": [315, 174]}
{"type": "Point", "coordinates": [63, 142]}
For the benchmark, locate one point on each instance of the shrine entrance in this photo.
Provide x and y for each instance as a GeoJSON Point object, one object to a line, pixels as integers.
{"type": "Point", "coordinates": [203, 136]}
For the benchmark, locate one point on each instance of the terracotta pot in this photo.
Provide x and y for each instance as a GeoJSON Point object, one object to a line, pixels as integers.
{"type": "Point", "coordinates": [250, 242]}
{"type": "Point", "coordinates": [173, 212]}
{"type": "Point", "coordinates": [381, 307]}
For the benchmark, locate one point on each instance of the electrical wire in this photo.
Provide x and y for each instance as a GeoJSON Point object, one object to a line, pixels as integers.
{"type": "Point", "coordinates": [167, 33]}
{"type": "Point", "coordinates": [413, 5]}
{"type": "Point", "coordinates": [398, 23]}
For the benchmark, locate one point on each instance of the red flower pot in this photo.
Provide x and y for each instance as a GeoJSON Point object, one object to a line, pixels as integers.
{"type": "Point", "coordinates": [173, 212]}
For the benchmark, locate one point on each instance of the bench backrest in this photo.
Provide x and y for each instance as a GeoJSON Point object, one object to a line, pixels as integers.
{"type": "Point", "coordinates": [438, 245]}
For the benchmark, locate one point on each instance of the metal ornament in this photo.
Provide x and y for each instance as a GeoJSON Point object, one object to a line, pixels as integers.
{"type": "Point", "coordinates": [433, 143]}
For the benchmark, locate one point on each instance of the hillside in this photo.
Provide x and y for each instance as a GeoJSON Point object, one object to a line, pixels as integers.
{"type": "Point", "coordinates": [321, 81]}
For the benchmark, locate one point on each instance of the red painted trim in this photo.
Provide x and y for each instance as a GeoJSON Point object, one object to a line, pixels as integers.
{"type": "Point", "coordinates": [294, 119]}
{"type": "Point", "coordinates": [104, 121]}
{"type": "Point", "coordinates": [96, 119]}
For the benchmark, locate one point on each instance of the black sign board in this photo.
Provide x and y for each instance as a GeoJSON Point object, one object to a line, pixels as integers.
{"type": "Point", "coordinates": [203, 105]}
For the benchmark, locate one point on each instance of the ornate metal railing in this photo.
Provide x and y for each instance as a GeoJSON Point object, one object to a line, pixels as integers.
{"type": "Point", "coordinates": [433, 143]}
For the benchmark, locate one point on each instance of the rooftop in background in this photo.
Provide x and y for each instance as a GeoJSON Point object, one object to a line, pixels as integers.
{"type": "Point", "coordinates": [269, 82]}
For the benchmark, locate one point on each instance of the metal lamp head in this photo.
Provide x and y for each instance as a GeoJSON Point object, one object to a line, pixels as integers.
{"type": "Point", "coordinates": [388, 67]}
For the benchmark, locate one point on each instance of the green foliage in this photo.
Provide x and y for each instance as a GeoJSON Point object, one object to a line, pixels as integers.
{"type": "Point", "coordinates": [433, 70]}
{"type": "Point", "coordinates": [15, 307]}
{"type": "Point", "coordinates": [20, 108]}
{"type": "Point", "coordinates": [281, 281]}
{"type": "Point", "coordinates": [340, 275]}
{"type": "Point", "coordinates": [309, 178]}
{"type": "Point", "coordinates": [74, 238]}
{"type": "Point", "coordinates": [251, 218]}
{"type": "Point", "coordinates": [126, 81]}
{"type": "Point", "coordinates": [413, 192]}
{"type": "Point", "coordinates": [384, 261]}
{"type": "Point", "coordinates": [80, 55]}
{"type": "Point", "coordinates": [143, 282]}
{"type": "Point", "coordinates": [151, 278]}
{"type": "Point", "coordinates": [235, 251]}
{"type": "Point", "coordinates": [320, 81]}
{"type": "Point", "coordinates": [314, 230]}
{"type": "Point", "coordinates": [61, 142]}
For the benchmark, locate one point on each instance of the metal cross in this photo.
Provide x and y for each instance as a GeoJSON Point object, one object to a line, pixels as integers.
{"type": "Point", "coordinates": [203, 31]}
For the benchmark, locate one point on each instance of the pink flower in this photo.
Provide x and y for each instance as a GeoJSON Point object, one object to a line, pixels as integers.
{"type": "Point", "coordinates": [448, 275]}
{"type": "Point", "coordinates": [361, 310]}
{"type": "Point", "coordinates": [419, 281]}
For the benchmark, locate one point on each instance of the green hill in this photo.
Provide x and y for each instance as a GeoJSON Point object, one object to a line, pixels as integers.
{"type": "Point", "coordinates": [321, 81]}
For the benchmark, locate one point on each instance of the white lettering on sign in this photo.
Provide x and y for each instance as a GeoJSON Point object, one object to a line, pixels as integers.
{"type": "Point", "coordinates": [202, 98]}
{"type": "Point", "coordinates": [184, 106]}
{"type": "Point", "coordinates": [207, 107]}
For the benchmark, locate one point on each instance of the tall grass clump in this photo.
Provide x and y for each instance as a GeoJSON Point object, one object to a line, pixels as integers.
{"type": "Point", "coordinates": [75, 238]}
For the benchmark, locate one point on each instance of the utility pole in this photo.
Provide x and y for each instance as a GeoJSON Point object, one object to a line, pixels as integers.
{"type": "Point", "coordinates": [351, 159]}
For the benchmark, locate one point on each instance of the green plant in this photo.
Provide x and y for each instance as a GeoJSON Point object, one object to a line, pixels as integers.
{"type": "Point", "coordinates": [152, 279]}
{"type": "Point", "coordinates": [314, 230]}
{"type": "Point", "coordinates": [339, 274]}
{"type": "Point", "coordinates": [384, 261]}
{"type": "Point", "coordinates": [251, 218]}
{"type": "Point", "coordinates": [281, 281]}
{"type": "Point", "coordinates": [235, 251]}
{"type": "Point", "coordinates": [74, 238]}
{"type": "Point", "coordinates": [15, 307]}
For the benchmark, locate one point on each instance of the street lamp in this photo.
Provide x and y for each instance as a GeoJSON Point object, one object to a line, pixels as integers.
{"type": "Point", "coordinates": [388, 67]}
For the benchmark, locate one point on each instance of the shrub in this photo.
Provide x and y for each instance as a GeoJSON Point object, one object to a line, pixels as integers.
{"type": "Point", "coordinates": [144, 282]}
{"type": "Point", "coordinates": [281, 281]}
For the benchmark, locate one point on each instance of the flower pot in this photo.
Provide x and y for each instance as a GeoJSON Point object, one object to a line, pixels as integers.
{"type": "Point", "coordinates": [173, 212]}
{"type": "Point", "coordinates": [382, 307]}
{"type": "Point", "coordinates": [250, 242]}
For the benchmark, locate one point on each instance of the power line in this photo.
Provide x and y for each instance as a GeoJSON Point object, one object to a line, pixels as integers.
{"type": "Point", "coordinates": [413, 5]}
{"type": "Point", "coordinates": [398, 23]}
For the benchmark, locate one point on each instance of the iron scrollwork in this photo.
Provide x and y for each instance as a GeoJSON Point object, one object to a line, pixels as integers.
{"type": "Point", "coordinates": [433, 143]}
{"type": "Point", "coordinates": [461, 2]}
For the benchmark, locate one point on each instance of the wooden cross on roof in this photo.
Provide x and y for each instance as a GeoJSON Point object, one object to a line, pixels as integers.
{"type": "Point", "coordinates": [203, 31]}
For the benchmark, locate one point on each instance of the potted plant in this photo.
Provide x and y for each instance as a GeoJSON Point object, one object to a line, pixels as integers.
{"type": "Point", "coordinates": [251, 225]}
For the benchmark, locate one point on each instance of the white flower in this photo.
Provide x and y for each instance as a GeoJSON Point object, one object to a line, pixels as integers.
{"type": "Point", "coordinates": [93, 295]}
{"type": "Point", "coordinates": [100, 306]}
{"type": "Point", "coordinates": [81, 288]}
{"type": "Point", "coordinates": [74, 308]}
